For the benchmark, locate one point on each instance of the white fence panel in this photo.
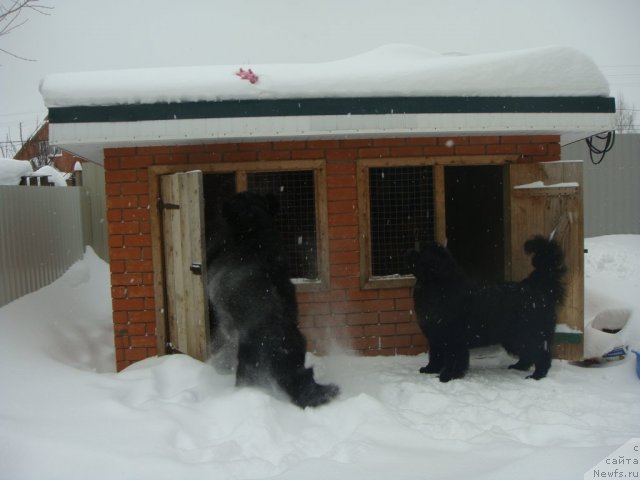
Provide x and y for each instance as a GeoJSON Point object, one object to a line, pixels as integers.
{"type": "Point", "coordinates": [94, 211]}
{"type": "Point", "coordinates": [612, 188]}
{"type": "Point", "coordinates": [40, 237]}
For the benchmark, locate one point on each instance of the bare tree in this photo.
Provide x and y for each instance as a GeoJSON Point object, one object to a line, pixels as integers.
{"type": "Point", "coordinates": [625, 116]}
{"type": "Point", "coordinates": [8, 148]}
{"type": "Point", "coordinates": [12, 17]}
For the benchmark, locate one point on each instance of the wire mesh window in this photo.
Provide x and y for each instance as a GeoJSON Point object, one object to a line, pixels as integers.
{"type": "Point", "coordinates": [402, 215]}
{"type": "Point", "coordinates": [296, 218]}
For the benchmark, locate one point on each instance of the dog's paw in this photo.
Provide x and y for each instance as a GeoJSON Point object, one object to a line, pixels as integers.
{"type": "Point", "coordinates": [430, 369]}
{"type": "Point", "coordinates": [316, 395]}
{"type": "Point", "coordinates": [448, 375]}
{"type": "Point", "coordinates": [536, 376]}
{"type": "Point", "coordinates": [523, 367]}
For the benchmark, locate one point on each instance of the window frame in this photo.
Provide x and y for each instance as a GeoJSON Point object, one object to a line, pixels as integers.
{"type": "Point", "coordinates": [367, 280]}
{"type": "Point", "coordinates": [241, 170]}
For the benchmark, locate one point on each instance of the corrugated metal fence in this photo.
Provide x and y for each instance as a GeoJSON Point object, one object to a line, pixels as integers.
{"type": "Point", "coordinates": [40, 237]}
{"type": "Point", "coordinates": [94, 210]}
{"type": "Point", "coordinates": [43, 231]}
{"type": "Point", "coordinates": [612, 188]}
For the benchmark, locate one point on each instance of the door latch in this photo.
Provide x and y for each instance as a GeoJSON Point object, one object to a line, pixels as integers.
{"type": "Point", "coordinates": [196, 268]}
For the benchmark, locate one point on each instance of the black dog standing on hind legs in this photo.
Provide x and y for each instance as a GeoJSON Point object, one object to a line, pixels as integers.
{"type": "Point", "coordinates": [456, 314]}
{"type": "Point", "coordinates": [253, 302]}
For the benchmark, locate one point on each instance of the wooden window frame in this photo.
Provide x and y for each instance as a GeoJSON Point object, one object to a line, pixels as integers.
{"type": "Point", "coordinates": [241, 169]}
{"type": "Point", "coordinates": [367, 280]}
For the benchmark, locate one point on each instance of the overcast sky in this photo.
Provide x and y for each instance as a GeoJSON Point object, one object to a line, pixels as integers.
{"type": "Point", "coordinates": [79, 35]}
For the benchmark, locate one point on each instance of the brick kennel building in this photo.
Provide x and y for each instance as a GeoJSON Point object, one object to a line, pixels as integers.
{"type": "Point", "coordinates": [407, 150]}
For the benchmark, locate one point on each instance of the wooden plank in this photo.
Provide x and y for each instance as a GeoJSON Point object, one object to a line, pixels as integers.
{"type": "Point", "coordinates": [544, 191]}
{"type": "Point", "coordinates": [548, 211]}
{"type": "Point", "coordinates": [398, 162]}
{"type": "Point", "coordinates": [322, 231]}
{"type": "Point", "coordinates": [364, 221]}
{"type": "Point", "coordinates": [233, 167]}
{"type": "Point", "coordinates": [467, 160]}
{"type": "Point", "coordinates": [192, 228]}
{"type": "Point", "coordinates": [241, 181]}
{"type": "Point", "coordinates": [157, 256]}
{"type": "Point", "coordinates": [173, 254]}
{"type": "Point", "coordinates": [440, 210]}
{"type": "Point", "coordinates": [183, 234]}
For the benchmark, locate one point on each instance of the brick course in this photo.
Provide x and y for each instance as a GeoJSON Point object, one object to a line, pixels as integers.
{"type": "Point", "coordinates": [372, 322]}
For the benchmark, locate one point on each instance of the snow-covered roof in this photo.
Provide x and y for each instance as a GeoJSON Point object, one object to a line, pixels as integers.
{"type": "Point", "coordinates": [11, 170]}
{"type": "Point", "coordinates": [389, 71]}
{"type": "Point", "coordinates": [395, 90]}
{"type": "Point", "coordinates": [55, 176]}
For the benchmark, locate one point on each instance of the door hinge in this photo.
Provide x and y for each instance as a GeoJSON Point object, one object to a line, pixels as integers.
{"type": "Point", "coordinates": [170, 349]}
{"type": "Point", "coordinates": [168, 206]}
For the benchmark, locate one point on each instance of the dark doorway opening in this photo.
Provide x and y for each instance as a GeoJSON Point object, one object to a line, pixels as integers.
{"type": "Point", "coordinates": [475, 226]}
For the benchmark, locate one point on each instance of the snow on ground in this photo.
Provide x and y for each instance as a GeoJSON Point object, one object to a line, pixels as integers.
{"type": "Point", "coordinates": [65, 414]}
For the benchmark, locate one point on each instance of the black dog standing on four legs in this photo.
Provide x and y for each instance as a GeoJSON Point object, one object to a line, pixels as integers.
{"type": "Point", "coordinates": [253, 302]}
{"type": "Point", "coordinates": [456, 314]}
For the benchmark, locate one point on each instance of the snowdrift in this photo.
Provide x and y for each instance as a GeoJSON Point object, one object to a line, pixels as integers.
{"type": "Point", "coordinates": [65, 414]}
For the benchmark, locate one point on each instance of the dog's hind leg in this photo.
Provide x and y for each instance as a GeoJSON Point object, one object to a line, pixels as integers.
{"type": "Point", "coordinates": [522, 364]}
{"type": "Point", "coordinates": [249, 371]}
{"type": "Point", "coordinates": [286, 359]}
{"type": "Point", "coordinates": [436, 360]}
{"type": "Point", "coordinates": [542, 363]}
{"type": "Point", "coordinates": [528, 348]}
{"type": "Point", "coordinates": [537, 352]}
{"type": "Point", "coordinates": [456, 364]}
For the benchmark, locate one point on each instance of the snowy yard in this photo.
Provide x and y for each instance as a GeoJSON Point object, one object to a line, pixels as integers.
{"type": "Point", "coordinates": [65, 414]}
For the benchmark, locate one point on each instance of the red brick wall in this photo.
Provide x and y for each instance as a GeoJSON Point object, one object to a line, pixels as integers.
{"type": "Point", "coordinates": [373, 322]}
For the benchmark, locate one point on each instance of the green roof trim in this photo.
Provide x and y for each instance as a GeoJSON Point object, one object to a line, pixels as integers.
{"type": "Point", "coordinates": [328, 106]}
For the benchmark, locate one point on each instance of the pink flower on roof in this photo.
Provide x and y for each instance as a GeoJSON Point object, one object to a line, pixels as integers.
{"type": "Point", "coordinates": [247, 75]}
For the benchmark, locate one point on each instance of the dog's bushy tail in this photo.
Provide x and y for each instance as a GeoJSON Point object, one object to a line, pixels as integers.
{"type": "Point", "coordinates": [549, 267]}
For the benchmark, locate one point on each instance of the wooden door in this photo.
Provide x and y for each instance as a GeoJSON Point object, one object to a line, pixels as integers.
{"type": "Point", "coordinates": [184, 261]}
{"type": "Point", "coordinates": [546, 198]}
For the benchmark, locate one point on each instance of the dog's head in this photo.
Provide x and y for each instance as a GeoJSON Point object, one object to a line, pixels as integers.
{"type": "Point", "coordinates": [432, 262]}
{"type": "Point", "coordinates": [247, 212]}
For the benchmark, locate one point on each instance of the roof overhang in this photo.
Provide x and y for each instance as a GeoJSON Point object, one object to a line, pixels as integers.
{"type": "Point", "coordinates": [88, 130]}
